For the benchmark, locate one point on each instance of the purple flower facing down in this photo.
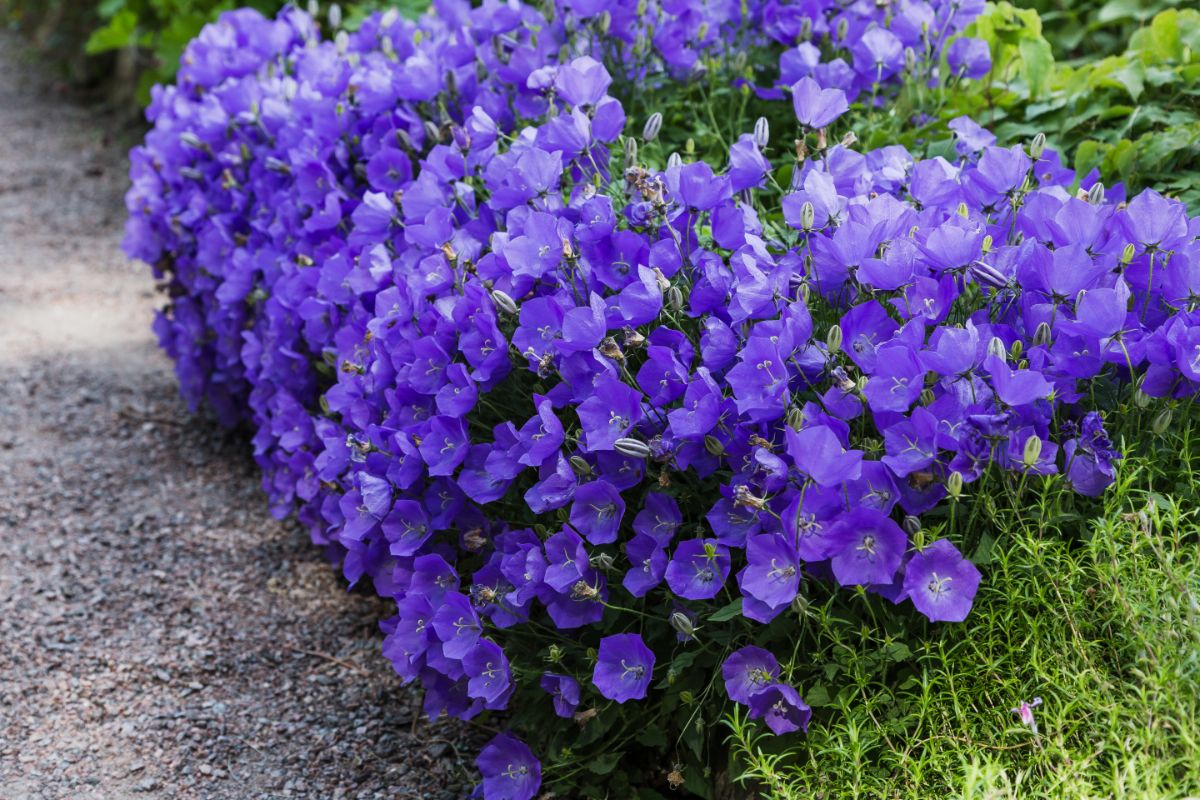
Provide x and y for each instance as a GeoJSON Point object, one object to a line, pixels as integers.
{"type": "Point", "coordinates": [748, 671]}
{"type": "Point", "coordinates": [781, 707]}
{"type": "Point", "coordinates": [941, 583]}
{"type": "Point", "coordinates": [969, 57]}
{"type": "Point", "coordinates": [698, 569]}
{"type": "Point", "coordinates": [509, 769]}
{"type": "Point", "coordinates": [816, 107]}
{"type": "Point", "coordinates": [596, 512]}
{"type": "Point", "coordinates": [869, 546]}
{"type": "Point", "coordinates": [624, 667]}
{"type": "Point", "coordinates": [565, 691]}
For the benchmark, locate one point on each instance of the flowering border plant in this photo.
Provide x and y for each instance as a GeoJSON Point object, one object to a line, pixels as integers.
{"type": "Point", "coordinates": [605, 424]}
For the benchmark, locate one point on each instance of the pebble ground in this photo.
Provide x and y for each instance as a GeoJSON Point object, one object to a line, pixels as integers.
{"type": "Point", "coordinates": [161, 636]}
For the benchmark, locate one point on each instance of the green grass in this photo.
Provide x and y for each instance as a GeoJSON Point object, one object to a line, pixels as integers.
{"type": "Point", "coordinates": [1098, 614]}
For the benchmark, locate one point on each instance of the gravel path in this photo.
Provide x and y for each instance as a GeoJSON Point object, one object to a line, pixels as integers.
{"type": "Point", "coordinates": [160, 635]}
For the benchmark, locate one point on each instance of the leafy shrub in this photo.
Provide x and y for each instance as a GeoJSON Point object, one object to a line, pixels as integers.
{"type": "Point", "coordinates": [610, 425]}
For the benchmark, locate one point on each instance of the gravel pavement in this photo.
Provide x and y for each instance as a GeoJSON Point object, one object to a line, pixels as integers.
{"type": "Point", "coordinates": [161, 636]}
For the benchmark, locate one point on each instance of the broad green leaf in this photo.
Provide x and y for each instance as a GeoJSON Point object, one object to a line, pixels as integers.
{"type": "Point", "coordinates": [120, 32]}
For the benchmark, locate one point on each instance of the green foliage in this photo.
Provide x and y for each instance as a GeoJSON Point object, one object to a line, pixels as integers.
{"type": "Point", "coordinates": [1135, 116]}
{"type": "Point", "coordinates": [1099, 615]}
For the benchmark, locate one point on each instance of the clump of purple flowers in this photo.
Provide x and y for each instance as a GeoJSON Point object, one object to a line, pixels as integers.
{"type": "Point", "coordinates": [565, 407]}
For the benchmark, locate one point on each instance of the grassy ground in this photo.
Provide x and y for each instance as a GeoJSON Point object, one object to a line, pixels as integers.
{"type": "Point", "coordinates": [1097, 613]}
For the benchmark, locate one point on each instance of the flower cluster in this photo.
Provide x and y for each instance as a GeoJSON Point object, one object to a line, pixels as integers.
{"type": "Point", "coordinates": [566, 406]}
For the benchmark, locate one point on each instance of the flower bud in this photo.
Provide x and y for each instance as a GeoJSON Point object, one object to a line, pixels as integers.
{"type": "Point", "coordinates": [1127, 254]}
{"type": "Point", "coordinates": [1141, 399]}
{"type": "Point", "coordinates": [1043, 335]}
{"type": "Point", "coordinates": [335, 16]}
{"type": "Point", "coordinates": [1032, 451]}
{"type": "Point", "coordinates": [674, 161]}
{"type": "Point", "coordinates": [807, 216]}
{"type": "Point", "coordinates": [503, 302]}
{"type": "Point", "coordinates": [389, 18]}
{"type": "Point", "coordinates": [580, 465]}
{"type": "Point", "coordinates": [843, 28]}
{"type": "Point", "coordinates": [800, 604]}
{"type": "Point", "coordinates": [833, 339]}
{"type": "Point", "coordinates": [682, 624]}
{"type": "Point", "coordinates": [795, 418]}
{"type": "Point", "coordinates": [1095, 195]}
{"type": "Point", "coordinates": [911, 525]}
{"type": "Point", "coordinates": [604, 22]}
{"type": "Point", "coordinates": [433, 132]}
{"type": "Point", "coordinates": [850, 139]}
{"type": "Point", "coordinates": [1037, 146]}
{"type": "Point", "coordinates": [1162, 421]}
{"type": "Point", "coordinates": [675, 298]}
{"type": "Point", "coordinates": [987, 244]}
{"type": "Point", "coordinates": [713, 445]}
{"type": "Point", "coordinates": [1017, 349]}
{"type": "Point", "coordinates": [555, 654]}
{"type": "Point", "coordinates": [805, 29]}
{"type": "Point", "coordinates": [313, 8]}
{"type": "Point", "coordinates": [652, 127]}
{"type": "Point", "coordinates": [631, 152]}
{"type": "Point", "coordinates": [341, 41]}
{"type": "Point", "coordinates": [762, 132]}
{"type": "Point", "coordinates": [190, 139]}
{"type": "Point", "coordinates": [686, 697]}
{"type": "Point", "coordinates": [927, 397]}
{"type": "Point", "coordinates": [689, 146]}
{"type": "Point", "coordinates": [996, 348]}
{"type": "Point", "coordinates": [954, 484]}
{"type": "Point", "coordinates": [634, 448]}
{"type": "Point", "coordinates": [602, 561]}
{"type": "Point", "coordinates": [963, 211]}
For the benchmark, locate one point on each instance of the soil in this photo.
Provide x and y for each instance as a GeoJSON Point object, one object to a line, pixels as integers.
{"type": "Point", "coordinates": [161, 636]}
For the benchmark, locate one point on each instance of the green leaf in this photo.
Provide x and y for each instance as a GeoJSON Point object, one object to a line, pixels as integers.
{"type": "Point", "coordinates": [121, 31]}
{"type": "Point", "coordinates": [605, 762]}
{"type": "Point", "coordinates": [727, 612]}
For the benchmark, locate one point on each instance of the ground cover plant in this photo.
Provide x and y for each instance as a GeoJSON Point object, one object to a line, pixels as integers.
{"type": "Point", "coordinates": [651, 423]}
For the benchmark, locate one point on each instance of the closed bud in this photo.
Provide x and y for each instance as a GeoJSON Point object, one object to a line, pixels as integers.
{"type": "Point", "coordinates": [805, 292]}
{"type": "Point", "coordinates": [795, 418]}
{"type": "Point", "coordinates": [689, 146]}
{"type": "Point", "coordinates": [910, 59]}
{"type": "Point", "coordinates": [634, 448]}
{"type": "Point", "coordinates": [1141, 399]}
{"type": "Point", "coordinates": [1095, 195]}
{"type": "Point", "coordinates": [602, 561]}
{"type": "Point", "coordinates": [911, 525]}
{"type": "Point", "coordinates": [682, 624]}
{"type": "Point", "coordinates": [996, 348]}
{"type": "Point", "coordinates": [800, 605]}
{"type": "Point", "coordinates": [987, 244]}
{"type": "Point", "coordinates": [341, 41]}
{"type": "Point", "coordinates": [604, 22]}
{"type": "Point", "coordinates": [1016, 349]}
{"type": "Point", "coordinates": [843, 28]}
{"type": "Point", "coordinates": [389, 18]}
{"type": "Point", "coordinates": [713, 445]}
{"type": "Point", "coordinates": [954, 484]}
{"type": "Point", "coordinates": [927, 397]}
{"type": "Point", "coordinates": [1162, 421]}
{"type": "Point", "coordinates": [805, 29]}
{"type": "Point", "coordinates": [686, 697]}
{"type": "Point", "coordinates": [1043, 335]}
{"type": "Point", "coordinates": [1127, 254]}
{"type": "Point", "coordinates": [1032, 451]}
{"type": "Point", "coordinates": [963, 211]}
{"type": "Point", "coordinates": [335, 16]}
{"type": "Point", "coordinates": [807, 216]}
{"type": "Point", "coordinates": [580, 465]}
{"type": "Point", "coordinates": [762, 132]}
{"type": "Point", "coordinates": [555, 654]}
{"type": "Point", "coordinates": [313, 8]}
{"type": "Point", "coordinates": [674, 161]}
{"type": "Point", "coordinates": [1037, 146]}
{"type": "Point", "coordinates": [850, 139]}
{"type": "Point", "coordinates": [503, 302]}
{"type": "Point", "coordinates": [675, 298]}
{"type": "Point", "coordinates": [189, 139]}
{"type": "Point", "coordinates": [631, 152]}
{"type": "Point", "coordinates": [433, 132]}
{"type": "Point", "coordinates": [833, 339]}
{"type": "Point", "coordinates": [652, 127]}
